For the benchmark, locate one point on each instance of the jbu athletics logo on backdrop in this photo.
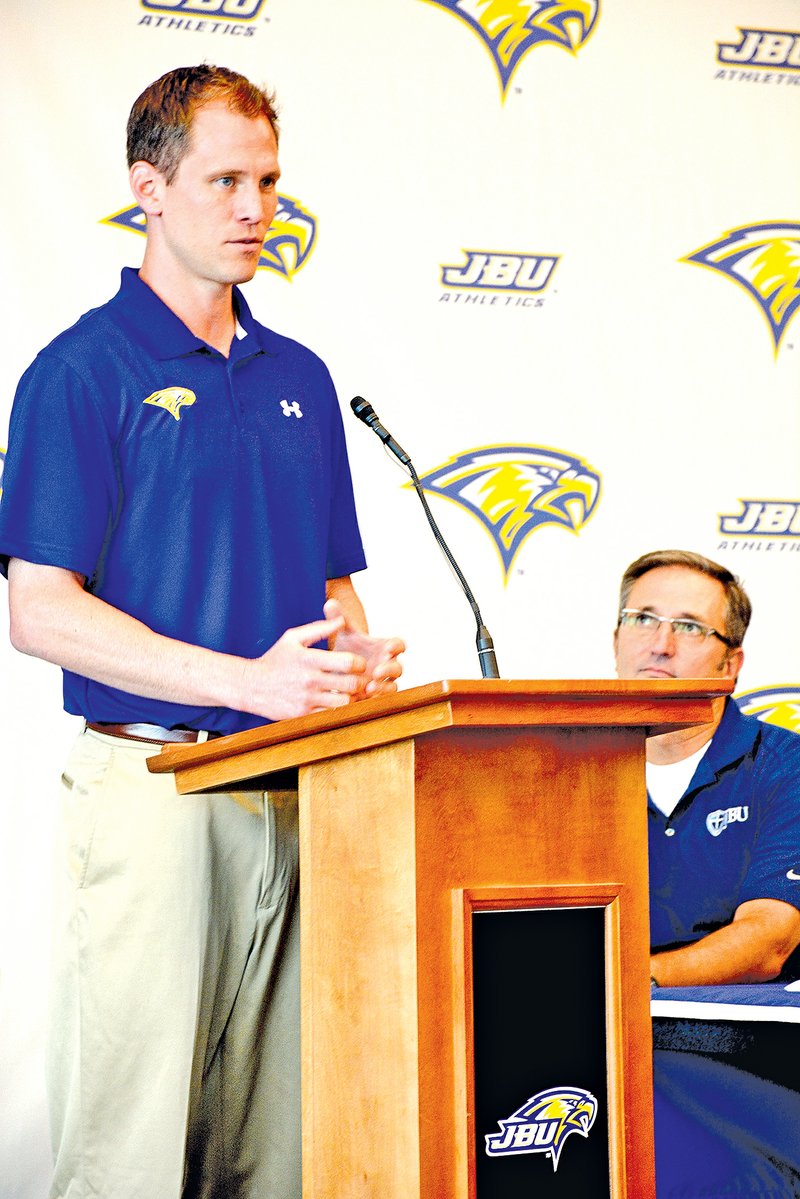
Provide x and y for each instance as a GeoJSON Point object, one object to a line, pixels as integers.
{"type": "Point", "coordinates": [764, 259]}
{"type": "Point", "coordinates": [763, 519]}
{"type": "Point", "coordinates": [768, 49]}
{"type": "Point", "coordinates": [762, 526]}
{"type": "Point", "coordinates": [510, 29]}
{"type": "Point", "coordinates": [493, 271]}
{"type": "Point", "coordinates": [513, 490]}
{"type": "Point", "coordinates": [236, 10]}
{"type": "Point", "coordinates": [543, 1124]}
{"type": "Point", "coordinates": [774, 705]}
{"type": "Point", "coordinates": [287, 246]}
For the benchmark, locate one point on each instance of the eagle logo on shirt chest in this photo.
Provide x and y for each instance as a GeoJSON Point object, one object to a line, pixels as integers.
{"type": "Point", "coordinates": [173, 399]}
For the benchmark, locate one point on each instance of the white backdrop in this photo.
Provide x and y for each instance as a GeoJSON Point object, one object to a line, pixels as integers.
{"type": "Point", "coordinates": [663, 130]}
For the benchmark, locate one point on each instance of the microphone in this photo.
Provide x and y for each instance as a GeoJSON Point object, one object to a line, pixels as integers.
{"type": "Point", "coordinates": [366, 413]}
{"type": "Point", "coordinates": [486, 655]}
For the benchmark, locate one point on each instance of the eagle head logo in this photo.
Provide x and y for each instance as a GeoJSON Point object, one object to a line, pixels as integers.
{"type": "Point", "coordinates": [172, 399]}
{"type": "Point", "coordinates": [290, 239]}
{"type": "Point", "coordinates": [774, 705]}
{"type": "Point", "coordinates": [544, 1122]}
{"type": "Point", "coordinates": [764, 260]}
{"type": "Point", "coordinates": [511, 28]}
{"type": "Point", "coordinates": [513, 490]}
{"type": "Point", "coordinates": [289, 242]}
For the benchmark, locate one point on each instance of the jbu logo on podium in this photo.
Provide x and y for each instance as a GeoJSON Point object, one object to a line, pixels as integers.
{"type": "Point", "coordinates": [543, 1124]}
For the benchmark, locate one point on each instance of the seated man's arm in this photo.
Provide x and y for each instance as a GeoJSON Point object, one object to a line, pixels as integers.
{"type": "Point", "coordinates": [54, 618]}
{"type": "Point", "coordinates": [751, 949]}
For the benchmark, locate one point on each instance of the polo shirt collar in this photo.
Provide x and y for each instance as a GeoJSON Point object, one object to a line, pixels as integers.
{"type": "Point", "coordinates": [734, 739]}
{"type": "Point", "coordinates": [163, 335]}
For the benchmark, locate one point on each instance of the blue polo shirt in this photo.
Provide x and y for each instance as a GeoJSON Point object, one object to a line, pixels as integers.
{"type": "Point", "coordinates": [208, 497]}
{"type": "Point", "coordinates": [734, 836]}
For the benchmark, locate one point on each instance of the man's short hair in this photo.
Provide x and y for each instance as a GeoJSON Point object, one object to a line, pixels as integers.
{"type": "Point", "coordinates": [739, 610]}
{"type": "Point", "coordinates": [160, 124]}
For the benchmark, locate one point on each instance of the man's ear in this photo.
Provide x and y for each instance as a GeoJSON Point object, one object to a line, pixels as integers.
{"type": "Point", "coordinates": [734, 663]}
{"type": "Point", "coordinates": [147, 185]}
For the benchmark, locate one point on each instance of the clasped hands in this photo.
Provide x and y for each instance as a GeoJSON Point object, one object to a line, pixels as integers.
{"type": "Point", "coordinates": [295, 676]}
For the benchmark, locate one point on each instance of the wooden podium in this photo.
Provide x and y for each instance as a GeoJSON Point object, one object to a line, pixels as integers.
{"type": "Point", "coordinates": [474, 933]}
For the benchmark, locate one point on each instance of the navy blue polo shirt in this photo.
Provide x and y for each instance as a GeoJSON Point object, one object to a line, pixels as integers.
{"type": "Point", "coordinates": [208, 497]}
{"type": "Point", "coordinates": [734, 836]}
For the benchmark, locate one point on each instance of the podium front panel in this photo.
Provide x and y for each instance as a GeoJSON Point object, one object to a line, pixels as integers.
{"type": "Point", "coordinates": [406, 848]}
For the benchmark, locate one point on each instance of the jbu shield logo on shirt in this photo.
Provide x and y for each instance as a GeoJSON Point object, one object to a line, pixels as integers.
{"type": "Point", "coordinates": [717, 822]}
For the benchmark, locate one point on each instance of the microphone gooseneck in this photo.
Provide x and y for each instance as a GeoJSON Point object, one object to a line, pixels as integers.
{"type": "Point", "coordinates": [486, 655]}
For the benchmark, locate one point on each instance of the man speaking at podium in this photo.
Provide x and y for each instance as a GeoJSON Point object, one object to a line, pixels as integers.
{"type": "Point", "coordinates": [723, 800]}
{"type": "Point", "coordinates": [177, 510]}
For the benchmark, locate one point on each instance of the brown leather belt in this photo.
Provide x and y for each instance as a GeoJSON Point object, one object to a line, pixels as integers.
{"type": "Point", "coordinates": [153, 734]}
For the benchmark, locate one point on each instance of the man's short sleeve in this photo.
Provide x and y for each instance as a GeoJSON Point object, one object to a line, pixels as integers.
{"type": "Point", "coordinates": [345, 550]}
{"type": "Point", "coordinates": [774, 870]}
{"type": "Point", "coordinates": [59, 482]}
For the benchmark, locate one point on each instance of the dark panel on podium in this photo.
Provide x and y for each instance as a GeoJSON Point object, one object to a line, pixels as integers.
{"type": "Point", "coordinates": [540, 1053]}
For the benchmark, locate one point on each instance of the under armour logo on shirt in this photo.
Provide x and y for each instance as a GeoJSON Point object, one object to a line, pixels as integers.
{"type": "Point", "coordinates": [292, 409]}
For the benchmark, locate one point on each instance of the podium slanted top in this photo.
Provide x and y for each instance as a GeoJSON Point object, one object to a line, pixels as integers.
{"type": "Point", "coordinates": [652, 705]}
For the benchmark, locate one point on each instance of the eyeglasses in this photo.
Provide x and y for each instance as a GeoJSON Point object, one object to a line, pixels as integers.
{"type": "Point", "coordinates": [647, 624]}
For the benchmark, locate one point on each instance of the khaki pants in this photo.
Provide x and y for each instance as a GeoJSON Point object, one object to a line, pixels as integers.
{"type": "Point", "coordinates": [174, 1055]}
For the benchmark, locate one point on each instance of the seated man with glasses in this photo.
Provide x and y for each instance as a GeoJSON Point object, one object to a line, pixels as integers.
{"type": "Point", "coordinates": [723, 799]}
